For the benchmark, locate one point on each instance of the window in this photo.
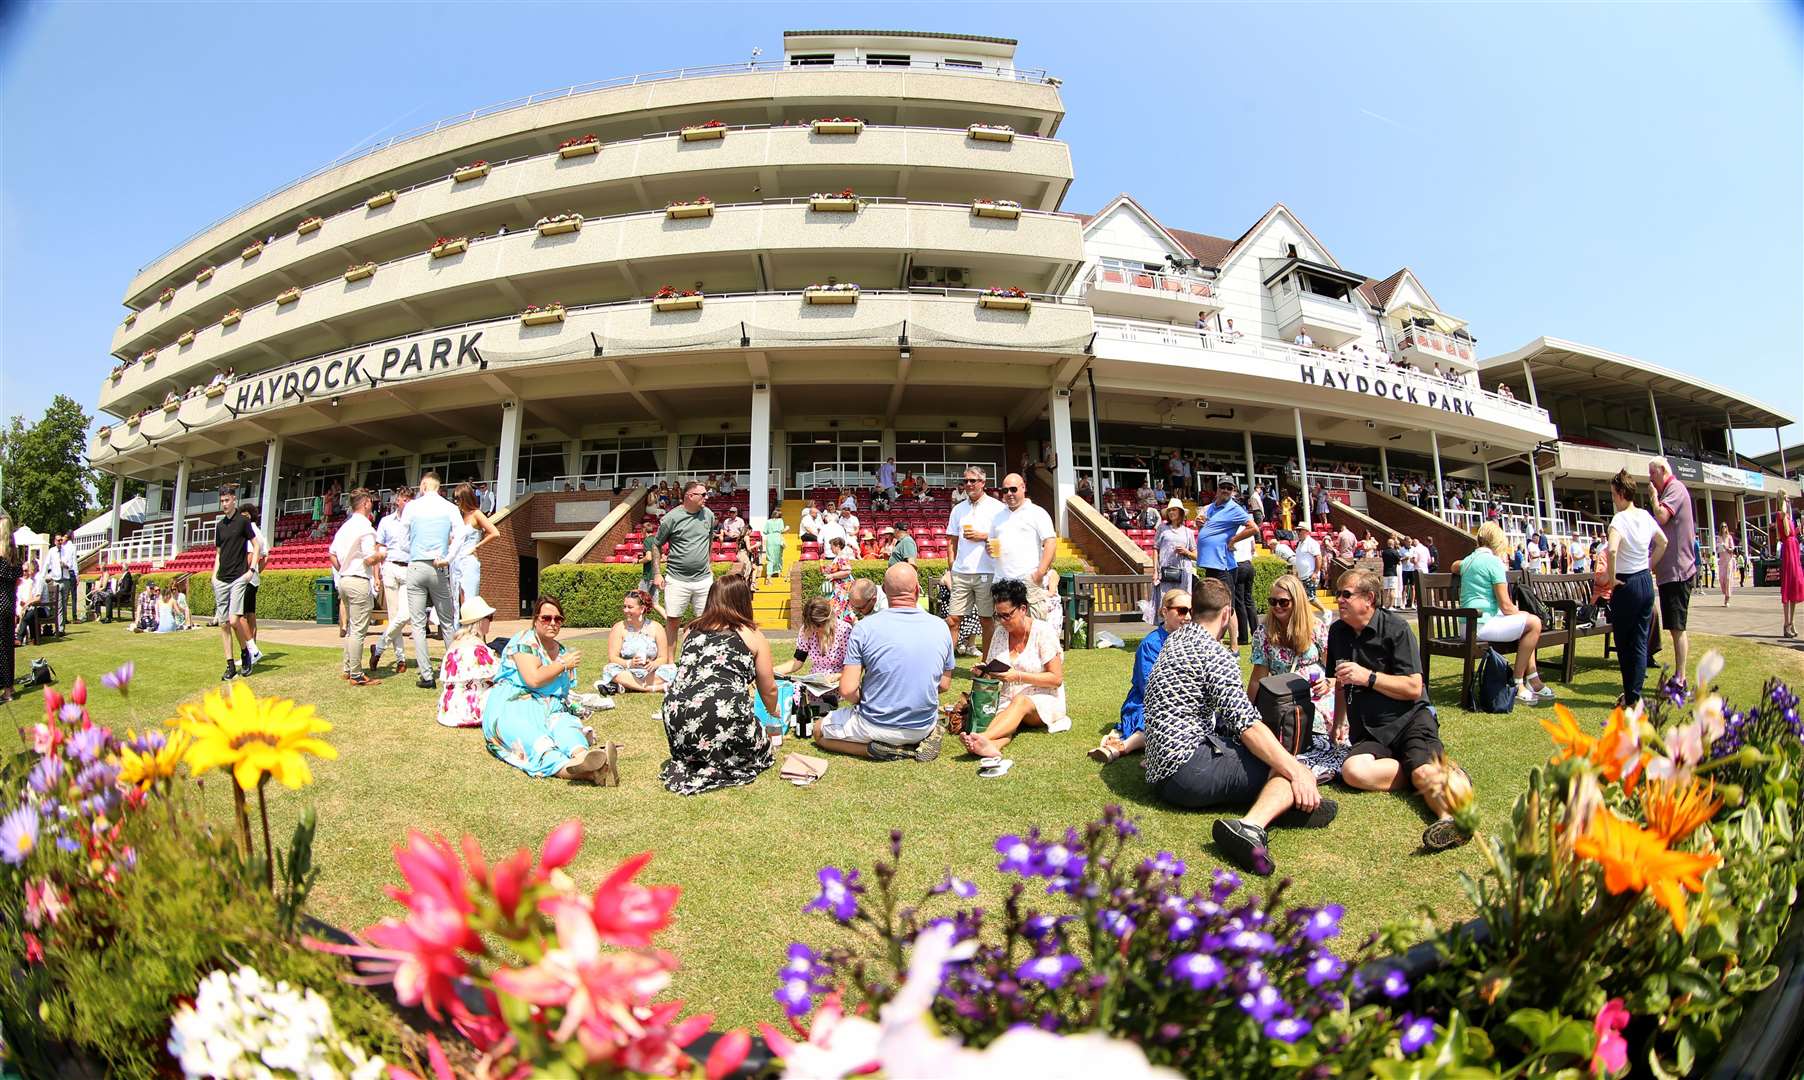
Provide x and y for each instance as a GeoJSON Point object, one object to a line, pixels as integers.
{"type": "Point", "coordinates": [810, 59]}
{"type": "Point", "coordinates": [888, 59]}
{"type": "Point", "coordinates": [623, 460]}
{"type": "Point", "coordinates": [382, 473]}
{"type": "Point", "coordinates": [954, 62]}
{"type": "Point", "coordinates": [315, 481]}
{"type": "Point", "coordinates": [540, 464]}
{"type": "Point", "coordinates": [724, 452]}
{"type": "Point", "coordinates": [454, 466]}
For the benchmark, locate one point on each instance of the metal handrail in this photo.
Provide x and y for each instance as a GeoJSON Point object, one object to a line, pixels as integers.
{"type": "Point", "coordinates": [1445, 344]}
{"type": "Point", "coordinates": [1016, 74]}
{"type": "Point", "coordinates": [1180, 285]}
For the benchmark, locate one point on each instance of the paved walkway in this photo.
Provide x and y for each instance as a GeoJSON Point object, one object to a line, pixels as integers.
{"type": "Point", "coordinates": [1752, 614]}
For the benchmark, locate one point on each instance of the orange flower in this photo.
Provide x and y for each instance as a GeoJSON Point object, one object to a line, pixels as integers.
{"type": "Point", "coordinates": [1567, 738]}
{"type": "Point", "coordinates": [1617, 753]}
{"type": "Point", "coordinates": [1674, 812]}
{"type": "Point", "coordinates": [1636, 860]}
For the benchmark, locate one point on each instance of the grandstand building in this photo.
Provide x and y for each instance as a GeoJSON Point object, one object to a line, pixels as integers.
{"type": "Point", "coordinates": [791, 271]}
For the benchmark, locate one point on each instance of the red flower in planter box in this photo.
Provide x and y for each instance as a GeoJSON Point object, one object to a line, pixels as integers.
{"type": "Point", "coordinates": [580, 140]}
{"type": "Point", "coordinates": [670, 292]}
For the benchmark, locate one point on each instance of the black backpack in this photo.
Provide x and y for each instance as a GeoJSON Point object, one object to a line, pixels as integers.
{"type": "Point", "coordinates": [1494, 683]}
{"type": "Point", "coordinates": [1285, 705]}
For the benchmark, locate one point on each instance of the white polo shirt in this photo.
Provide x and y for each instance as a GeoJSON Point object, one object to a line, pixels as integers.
{"type": "Point", "coordinates": [973, 556]}
{"type": "Point", "coordinates": [1022, 533]}
{"type": "Point", "coordinates": [354, 542]}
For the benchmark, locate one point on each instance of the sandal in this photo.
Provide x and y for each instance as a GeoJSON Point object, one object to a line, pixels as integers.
{"type": "Point", "coordinates": [1444, 834]}
{"type": "Point", "coordinates": [609, 776]}
{"type": "Point", "coordinates": [993, 768]}
{"type": "Point", "coordinates": [592, 761]}
{"type": "Point", "coordinates": [1104, 753]}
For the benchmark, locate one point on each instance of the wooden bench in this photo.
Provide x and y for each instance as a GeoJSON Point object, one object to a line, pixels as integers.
{"type": "Point", "coordinates": [1107, 598]}
{"type": "Point", "coordinates": [1564, 594]}
{"type": "Point", "coordinates": [1444, 628]}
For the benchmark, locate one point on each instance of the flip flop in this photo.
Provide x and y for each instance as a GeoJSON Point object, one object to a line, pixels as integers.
{"type": "Point", "coordinates": [993, 768]}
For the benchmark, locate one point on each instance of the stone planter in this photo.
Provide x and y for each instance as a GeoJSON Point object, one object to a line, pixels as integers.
{"type": "Point", "coordinates": [577, 150]}
{"type": "Point", "coordinates": [995, 210]}
{"type": "Point", "coordinates": [102, 433]}
{"type": "Point", "coordinates": [676, 303]}
{"type": "Point", "coordinates": [837, 127]}
{"type": "Point", "coordinates": [689, 210]}
{"type": "Point", "coordinates": [131, 318]}
{"type": "Point", "coordinates": [450, 247]}
{"type": "Point", "coordinates": [380, 198]}
{"type": "Point", "coordinates": [166, 297]}
{"type": "Point", "coordinates": [187, 338]}
{"type": "Point", "coordinates": [470, 172]}
{"type": "Point", "coordinates": [704, 134]}
{"type": "Point", "coordinates": [830, 296]}
{"type": "Point", "coordinates": [251, 251]}
{"type": "Point", "coordinates": [206, 274]}
{"type": "Point", "coordinates": [133, 422]}
{"type": "Point", "coordinates": [231, 318]}
{"type": "Point", "coordinates": [311, 225]}
{"type": "Point", "coordinates": [833, 204]}
{"type": "Point", "coordinates": [1006, 303]}
{"type": "Point", "coordinates": [215, 391]}
{"type": "Point", "coordinates": [556, 228]}
{"type": "Point", "coordinates": [981, 133]}
{"type": "Point", "coordinates": [287, 296]}
{"type": "Point", "coordinates": [358, 273]}
{"type": "Point", "coordinates": [171, 407]}
{"type": "Point", "coordinates": [542, 317]}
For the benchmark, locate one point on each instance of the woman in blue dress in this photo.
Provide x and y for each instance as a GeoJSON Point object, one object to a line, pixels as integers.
{"type": "Point", "coordinates": [1129, 736]}
{"type": "Point", "coordinates": [528, 720]}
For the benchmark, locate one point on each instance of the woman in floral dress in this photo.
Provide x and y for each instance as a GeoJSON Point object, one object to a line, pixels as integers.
{"type": "Point", "coordinates": [839, 575]}
{"type": "Point", "coordinates": [468, 670]}
{"type": "Point", "coordinates": [1293, 640]}
{"type": "Point", "coordinates": [715, 738]}
{"type": "Point", "coordinates": [527, 718]}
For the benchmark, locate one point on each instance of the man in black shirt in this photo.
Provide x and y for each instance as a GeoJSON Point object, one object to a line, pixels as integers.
{"type": "Point", "coordinates": [1382, 702]}
{"type": "Point", "coordinates": [231, 577]}
{"type": "Point", "coordinates": [1392, 558]}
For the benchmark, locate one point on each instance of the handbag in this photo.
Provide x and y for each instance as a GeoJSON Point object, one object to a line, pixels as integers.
{"type": "Point", "coordinates": [1494, 683]}
{"type": "Point", "coordinates": [1526, 601]}
{"type": "Point", "coordinates": [803, 769]}
{"type": "Point", "coordinates": [40, 673]}
{"type": "Point", "coordinates": [1171, 575]}
{"type": "Point", "coordinates": [1285, 705]}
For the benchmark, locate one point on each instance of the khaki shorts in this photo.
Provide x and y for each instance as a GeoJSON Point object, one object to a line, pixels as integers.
{"type": "Point", "coordinates": [846, 724]}
{"type": "Point", "coordinates": [971, 592]}
{"type": "Point", "coordinates": [1041, 603]}
{"type": "Point", "coordinates": [680, 595]}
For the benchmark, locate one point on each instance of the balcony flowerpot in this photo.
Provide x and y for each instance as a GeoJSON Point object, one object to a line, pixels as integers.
{"type": "Point", "coordinates": [833, 204]}
{"type": "Point", "coordinates": [215, 391]}
{"type": "Point", "coordinates": [118, 373]}
{"type": "Point", "coordinates": [102, 433]}
{"type": "Point", "coordinates": [830, 296]}
{"type": "Point", "coordinates": [287, 296]}
{"type": "Point", "coordinates": [543, 316]}
{"type": "Point", "coordinates": [704, 133]}
{"type": "Point", "coordinates": [450, 247]}
{"type": "Point", "coordinates": [1006, 303]}
{"type": "Point", "coordinates": [470, 172]}
{"type": "Point", "coordinates": [985, 133]}
{"type": "Point", "coordinates": [167, 295]}
{"type": "Point", "coordinates": [187, 338]}
{"type": "Point", "coordinates": [837, 127]}
{"type": "Point", "coordinates": [311, 225]}
{"type": "Point", "coordinates": [358, 273]}
{"type": "Point", "coordinates": [133, 422]}
{"type": "Point", "coordinates": [171, 407]}
{"type": "Point", "coordinates": [995, 210]}
{"type": "Point", "coordinates": [251, 251]}
{"type": "Point", "coordinates": [676, 303]}
{"type": "Point", "coordinates": [206, 274]}
{"type": "Point", "coordinates": [380, 198]}
{"type": "Point", "coordinates": [566, 225]}
{"type": "Point", "coordinates": [679, 211]}
{"type": "Point", "coordinates": [131, 318]}
{"type": "Point", "coordinates": [231, 318]}
{"type": "Point", "coordinates": [585, 149]}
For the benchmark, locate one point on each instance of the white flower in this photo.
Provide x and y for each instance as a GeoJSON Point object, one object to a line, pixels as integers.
{"type": "Point", "coordinates": [241, 1026]}
{"type": "Point", "coordinates": [1709, 667]}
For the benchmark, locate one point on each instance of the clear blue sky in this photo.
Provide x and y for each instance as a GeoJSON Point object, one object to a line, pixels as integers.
{"type": "Point", "coordinates": [1629, 176]}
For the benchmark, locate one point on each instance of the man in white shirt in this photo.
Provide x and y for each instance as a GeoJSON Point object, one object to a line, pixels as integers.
{"type": "Point", "coordinates": [391, 541]}
{"type": "Point", "coordinates": [1303, 339]}
{"type": "Point", "coordinates": [968, 527]}
{"type": "Point", "coordinates": [828, 529]}
{"type": "Point", "coordinates": [1308, 559]}
{"type": "Point", "coordinates": [485, 498]}
{"type": "Point", "coordinates": [848, 521]}
{"type": "Point", "coordinates": [71, 562]}
{"type": "Point", "coordinates": [727, 485]}
{"type": "Point", "coordinates": [1228, 331]}
{"type": "Point", "coordinates": [809, 528]}
{"type": "Point", "coordinates": [848, 502]}
{"type": "Point", "coordinates": [430, 520]}
{"type": "Point", "coordinates": [353, 553]}
{"type": "Point", "coordinates": [1023, 543]}
{"type": "Point", "coordinates": [50, 581]}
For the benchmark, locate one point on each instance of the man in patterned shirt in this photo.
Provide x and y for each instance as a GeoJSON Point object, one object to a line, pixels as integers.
{"type": "Point", "coordinates": [1205, 744]}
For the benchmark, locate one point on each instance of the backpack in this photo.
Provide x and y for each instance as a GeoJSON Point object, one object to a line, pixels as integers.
{"type": "Point", "coordinates": [1494, 683]}
{"type": "Point", "coordinates": [1285, 705]}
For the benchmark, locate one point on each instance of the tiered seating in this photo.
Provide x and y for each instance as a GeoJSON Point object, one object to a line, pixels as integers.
{"type": "Point", "coordinates": [193, 560]}
{"type": "Point", "coordinates": [300, 526]}
{"type": "Point", "coordinates": [300, 555]}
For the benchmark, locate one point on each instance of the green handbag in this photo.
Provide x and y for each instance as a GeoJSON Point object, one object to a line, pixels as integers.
{"type": "Point", "coordinates": [986, 695]}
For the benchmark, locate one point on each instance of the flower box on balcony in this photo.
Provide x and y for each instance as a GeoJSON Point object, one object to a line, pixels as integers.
{"type": "Point", "coordinates": [575, 148]}
{"type": "Point", "coordinates": [542, 316]}
{"type": "Point", "coordinates": [476, 170]}
{"type": "Point", "coordinates": [1007, 209]}
{"type": "Point", "coordinates": [187, 338]}
{"type": "Point", "coordinates": [843, 203]}
{"type": "Point", "coordinates": [310, 225]}
{"type": "Point", "coordinates": [830, 294]}
{"type": "Point", "coordinates": [133, 422]}
{"type": "Point", "coordinates": [147, 356]}
{"type": "Point", "coordinates": [206, 274]}
{"type": "Point", "coordinates": [380, 198]}
{"type": "Point", "coordinates": [360, 271]}
{"type": "Point", "coordinates": [695, 208]}
{"type": "Point", "coordinates": [992, 133]}
{"type": "Point", "coordinates": [103, 432]}
{"type": "Point", "coordinates": [216, 391]}
{"type": "Point", "coordinates": [131, 317]}
{"type": "Point", "coordinates": [709, 131]}
{"type": "Point", "coordinates": [288, 296]}
{"type": "Point", "coordinates": [563, 223]}
{"type": "Point", "coordinates": [445, 248]}
{"type": "Point", "coordinates": [251, 250]}
{"type": "Point", "coordinates": [172, 406]}
{"type": "Point", "coordinates": [118, 373]}
{"type": "Point", "coordinates": [1006, 300]}
{"type": "Point", "coordinates": [231, 318]}
{"type": "Point", "coordinates": [677, 302]}
{"type": "Point", "coordinates": [837, 125]}
{"type": "Point", "coordinates": [165, 296]}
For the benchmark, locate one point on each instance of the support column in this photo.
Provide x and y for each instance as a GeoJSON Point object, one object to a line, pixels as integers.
{"type": "Point", "coordinates": [1064, 485]}
{"type": "Point", "coordinates": [1741, 512]}
{"type": "Point", "coordinates": [1246, 442]}
{"type": "Point", "coordinates": [672, 452]}
{"type": "Point", "coordinates": [118, 493]}
{"type": "Point", "coordinates": [1384, 468]}
{"type": "Point", "coordinates": [1485, 465]}
{"type": "Point", "coordinates": [413, 470]}
{"type": "Point", "coordinates": [1303, 471]}
{"type": "Point", "coordinates": [1529, 376]}
{"type": "Point", "coordinates": [1729, 439]}
{"type": "Point", "coordinates": [573, 457]}
{"type": "Point", "coordinates": [1095, 441]}
{"type": "Point", "coordinates": [507, 463]}
{"type": "Point", "coordinates": [178, 515]}
{"type": "Point", "coordinates": [1784, 470]}
{"type": "Point", "coordinates": [759, 482]}
{"type": "Point", "coordinates": [779, 446]}
{"type": "Point", "coordinates": [1710, 504]}
{"type": "Point", "coordinates": [1653, 409]}
{"type": "Point", "coordinates": [1440, 491]}
{"type": "Point", "coordinates": [1534, 486]}
{"type": "Point", "coordinates": [1553, 520]}
{"type": "Point", "coordinates": [272, 486]}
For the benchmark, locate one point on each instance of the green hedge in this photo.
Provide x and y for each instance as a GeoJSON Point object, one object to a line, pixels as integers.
{"type": "Point", "coordinates": [592, 592]}
{"type": "Point", "coordinates": [281, 594]}
{"type": "Point", "coordinates": [814, 575]}
{"type": "Point", "coordinates": [1266, 569]}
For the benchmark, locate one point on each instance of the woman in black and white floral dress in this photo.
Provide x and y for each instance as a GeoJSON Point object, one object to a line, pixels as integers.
{"type": "Point", "coordinates": [715, 739]}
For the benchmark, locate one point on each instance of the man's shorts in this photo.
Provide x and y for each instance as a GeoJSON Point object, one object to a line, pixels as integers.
{"type": "Point", "coordinates": [228, 597]}
{"type": "Point", "coordinates": [971, 593]}
{"type": "Point", "coordinates": [1417, 742]}
{"type": "Point", "coordinates": [1220, 772]}
{"type": "Point", "coordinates": [250, 594]}
{"type": "Point", "coordinates": [680, 596]}
{"type": "Point", "coordinates": [1675, 603]}
{"type": "Point", "coordinates": [847, 725]}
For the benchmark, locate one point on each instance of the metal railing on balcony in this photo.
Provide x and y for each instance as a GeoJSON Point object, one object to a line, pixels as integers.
{"type": "Point", "coordinates": [1013, 74]}
{"type": "Point", "coordinates": [1176, 286]}
{"type": "Point", "coordinates": [1436, 343]}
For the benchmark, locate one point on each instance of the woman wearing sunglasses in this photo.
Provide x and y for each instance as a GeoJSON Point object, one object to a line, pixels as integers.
{"type": "Point", "coordinates": [1033, 675]}
{"type": "Point", "coordinates": [1130, 735]}
{"type": "Point", "coordinates": [1292, 639]}
{"type": "Point", "coordinates": [527, 718]}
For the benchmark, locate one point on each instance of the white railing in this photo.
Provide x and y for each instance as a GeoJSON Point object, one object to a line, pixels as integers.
{"type": "Point", "coordinates": [202, 533]}
{"type": "Point", "coordinates": [1436, 343]}
{"type": "Point", "coordinates": [1176, 286]}
{"type": "Point", "coordinates": [89, 542]}
{"type": "Point", "coordinates": [149, 544]}
{"type": "Point", "coordinates": [1011, 73]}
{"type": "Point", "coordinates": [935, 475]}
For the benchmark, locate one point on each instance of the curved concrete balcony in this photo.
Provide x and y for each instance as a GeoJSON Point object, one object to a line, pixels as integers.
{"type": "Point", "coordinates": [711, 346]}
{"type": "Point", "coordinates": [927, 95]}
{"type": "Point", "coordinates": [738, 249]}
{"type": "Point", "coordinates": [636, 174]}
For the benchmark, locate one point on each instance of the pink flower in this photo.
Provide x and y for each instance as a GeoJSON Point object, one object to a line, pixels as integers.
{"type": "Point", "coordinates": [560, 847]}
{"type": "Point", "coordinates": [431, 867]}
{"type": "Point", "coordinates": [79, 695]}
{"type": "Point", "coordinates": [597, 990]}
{"type": "Point", "coordinates": [627, 914]}
{"type": "Point", "coordinates": [412, 956]}
{"type": "Point", "coordinates": [43, 738]}
{"type": "Point", "coordinates": [1612, 1054]}
{"type": "Point", "coordinates": [42, 903]}
{"type": "Point", "coordinates": [728, 1054]}
{"type": "Point", "coordinates": [34, 949]}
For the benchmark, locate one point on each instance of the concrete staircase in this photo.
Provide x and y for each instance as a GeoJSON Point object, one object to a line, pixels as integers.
{"type": "Point", "coordinates": [771, 600]}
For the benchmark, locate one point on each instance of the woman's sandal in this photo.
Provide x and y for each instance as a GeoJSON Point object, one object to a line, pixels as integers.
{"type": "Point", "coordinates": [593, 761]}
{"type": "Point", "coordinates": [1104, 753]}
{"type": "Point", "coordinates": [609, 776]}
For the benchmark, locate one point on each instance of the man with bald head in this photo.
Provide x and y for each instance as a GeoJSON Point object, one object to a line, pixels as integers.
{"type": "Point", "coordinates": [898, 663]}
{"type": "Point", "coordinates": [1024, 542]}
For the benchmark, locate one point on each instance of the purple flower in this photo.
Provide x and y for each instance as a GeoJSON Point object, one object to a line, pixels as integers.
{"type": "Point", "coordinates": [1286, 1029]}
{"type": "Point", "coordinates": [1199, 970]}
{"type": "Point", "coordinates": [1325, 967]}
{"type": "Point", "coordinates": [70, 713]}
{"type": "Point", "coordinates": [46, 774]}
{"type": "Point", "coordinates": [88, 744]}
{"type": "Point", "coordinates": [120, 678]}
{"type": "Point", "coordinates": [958, 887]}
{"type": "Point", "coordinates": [1117, 923]}
{"type": "Point", "coordinates": [67, 845]}
{"type": "Point", "coordinates": [1320, 924]}
{"type": "Point", "coordinates": [796, 995]}
{"type": "Point", "coordinates": [1166, 862]}
{"type": "Point", "coordinates": [839, 894]}
{"type": "Point", "coordinates": [1251, 941]}
{"type": "Point", "coordinates": [1017, 856]}
{"type": "Point", "coordinates": [1226, 882]}
{"type": "Point", "coordinates": [150, 742]}
{"type": "Point", "coordinates": [18, 834]}
{"type": "Point", "coordinates": [1395, 984]}
{"type": "Point", "coordinates": [1040, 926]}
{"type": "Point", "coordinates": [1417, 1031]}
{"type": "Point", "coordinates": [1055, 860]}
{"type": "Point", "coordinates": [1182, 927]}
{"type": "Point", "coordinates": [1049, 971]}
{"type": "Point", "coordinates": [1264, 1003]}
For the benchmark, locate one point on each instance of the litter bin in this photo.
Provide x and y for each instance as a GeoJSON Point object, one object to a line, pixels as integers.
{"type": "Point", "coordinates": [325, 602]}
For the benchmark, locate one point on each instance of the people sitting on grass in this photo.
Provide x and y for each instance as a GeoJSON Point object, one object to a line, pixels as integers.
{"type": "Point", "coordinates": [468, 669]}
{"type": "Point", "coordinates": [1292, 639]}
{"type": "Point", "coordinates": [172, 612]}
{"type": "Point", "coordinates": [638, 651]}
{"type": "Point", "coordinates": [1028, 661]}
{"type": "Point", "coordinates": [1129, 736]}
{"type": "Point", "coordinates": [898, 663]}
{"type": "Point", "coordinates": [145, 618]}
{"type": "Point", "coordinates": [715, 738]}
{"type": "Point", "coordinates": [1381, 702]}
{"type": "Point", "coordinates": [1206, 746]}
{"type": "Point", "coordinates": [528, 719]}
{"type": "Point", "coordinates": [820, 641]}
{"type": "Point", "coordinates": [1484, 586]}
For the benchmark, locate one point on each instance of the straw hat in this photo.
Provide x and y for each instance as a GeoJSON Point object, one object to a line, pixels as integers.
{"type": "Point", "coordinates": [474, 610]}
{"type": "Point", "coordinates": [1177, 504]}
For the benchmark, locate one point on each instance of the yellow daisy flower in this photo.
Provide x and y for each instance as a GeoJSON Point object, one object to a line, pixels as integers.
{"type": "Point", "coordinates": [254, 737]}
{"type": "Point", "coordinates": [145, 769]}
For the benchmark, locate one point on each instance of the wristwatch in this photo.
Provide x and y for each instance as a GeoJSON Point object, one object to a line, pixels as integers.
{"type": "Point", "coordinates": [1372, 680]}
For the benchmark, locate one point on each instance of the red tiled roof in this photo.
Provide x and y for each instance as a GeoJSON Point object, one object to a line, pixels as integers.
{"type": "Point", "coordinates": [1209, 250]}
{"type": "Point", "coordinates": [1379, 293]}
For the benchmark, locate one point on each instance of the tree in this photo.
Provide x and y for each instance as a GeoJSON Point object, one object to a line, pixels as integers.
{"type": "Point", "coordinates": [48, 482]}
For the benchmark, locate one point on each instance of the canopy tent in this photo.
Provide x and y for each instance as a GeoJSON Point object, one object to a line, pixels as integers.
{"type": "Point", "coordinates": [131, 510]}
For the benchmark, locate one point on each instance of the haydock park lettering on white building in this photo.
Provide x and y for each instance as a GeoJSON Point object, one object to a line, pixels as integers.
{"type": "Point", "coordinates": [358, 370]}
{"type": "Point", "coordinates": [1395, 389]}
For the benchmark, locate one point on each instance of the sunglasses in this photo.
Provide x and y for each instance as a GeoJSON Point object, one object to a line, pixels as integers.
{"type": "Point", "coordinates": [1347, 594]}
{"type": "Point", "coordinates": [555, 620]}
{"type": "Point", "coordinates": [973, 480]}
{"type": "Point", "coordinates": [1179, 608]}
{"type": "Point", "coordinates": [1010, 490]}
{"type": "Point", "coordinates": [1278, 601]}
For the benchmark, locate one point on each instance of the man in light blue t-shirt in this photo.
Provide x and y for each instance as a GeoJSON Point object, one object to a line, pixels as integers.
{"type": "Point", "coordinates": [898, 663]}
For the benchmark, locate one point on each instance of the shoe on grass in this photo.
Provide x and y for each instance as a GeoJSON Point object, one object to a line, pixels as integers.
{"type": "Point", "coordinates": [1444, 834]}
{"type": "Point", "coordinates": [427, 682]}
{"type": "Point", "coordinates": [1244, 844]}
{"type": "Point", "coordinates": [360, 679]}
{"type": "Point", "coordinates": [882, 751]}
{"type": "Point", "coordinates": [231, 672]}
{"type": "Point", "coordinates": [929, 748]}
{"type": "Point", "coordinates": [1319, 818]}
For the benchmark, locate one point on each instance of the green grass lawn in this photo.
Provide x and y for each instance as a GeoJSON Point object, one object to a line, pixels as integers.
{"type": "Point", "coordinates": [746, 857]}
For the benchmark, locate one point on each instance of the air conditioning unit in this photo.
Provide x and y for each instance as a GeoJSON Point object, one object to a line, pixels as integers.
{"type": "Point", "coordinates": [920, 275]}
{"type": "Point", "coordinates": [955, 275]}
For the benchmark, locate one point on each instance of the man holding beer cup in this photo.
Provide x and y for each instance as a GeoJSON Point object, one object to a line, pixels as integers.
{"type": "Point", "coordinates": [973, 566]}
{"type": "Point", "coordinates": [1022, 544]}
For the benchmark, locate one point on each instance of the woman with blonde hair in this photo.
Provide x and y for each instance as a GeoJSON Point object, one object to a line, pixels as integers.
{"type": "Point", "coordinates": [469, 667]}
{"type": "Point", "coordinates": [1292, 639]}
{"type": "Point", "coordinates": [820, 641]}
{"type": "Point", "coordinates": [1484, 586]}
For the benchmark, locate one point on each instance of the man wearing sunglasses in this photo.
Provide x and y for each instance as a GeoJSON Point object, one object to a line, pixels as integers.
{"type": "Point", "coordinates": [1024, 545]}
{"type": "Point", "coordinates": [969, 528]}
{"type": "Point", "coordinates": [1381, 701]}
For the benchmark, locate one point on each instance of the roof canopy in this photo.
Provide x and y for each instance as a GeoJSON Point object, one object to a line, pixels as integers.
{"type": "Point", "coordinates": [1566, 367]}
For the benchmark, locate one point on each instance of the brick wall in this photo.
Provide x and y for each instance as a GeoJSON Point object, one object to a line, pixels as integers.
{"type": "Point", "coordinates": [612, 538]}
{"type": "Point", "coordinates": [1107, 548]}
{"type": "Point", "coordinates": [1451, 543]}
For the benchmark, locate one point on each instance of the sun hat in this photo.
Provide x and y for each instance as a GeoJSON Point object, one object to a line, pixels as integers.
{"type": "Point", "coordinates": [474, 610]}
{"type": "Point", "coordinates": [1177, 504]}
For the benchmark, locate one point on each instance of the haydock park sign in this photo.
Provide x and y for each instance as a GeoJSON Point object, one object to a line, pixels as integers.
{"type": "Point", "coordinates": [1394, 389]}
{"type": "Point", "coordinates": [359, 369]}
